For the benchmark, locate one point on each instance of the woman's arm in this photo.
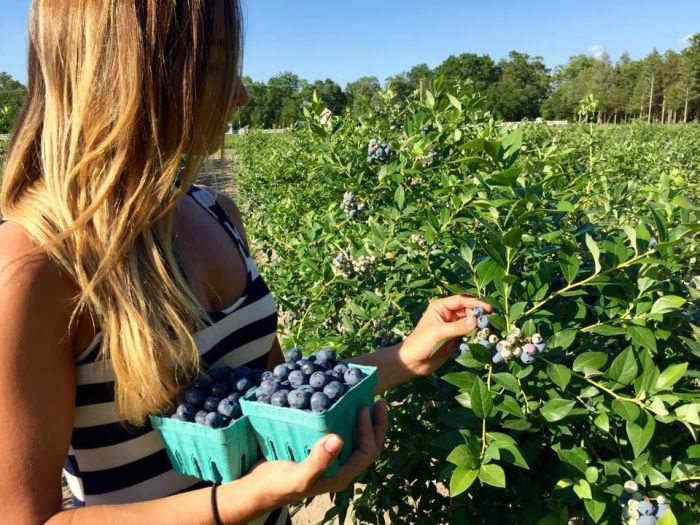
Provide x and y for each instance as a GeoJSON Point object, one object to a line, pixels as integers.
{"type": "Point", "coordinates": [37, 400]}
{"type": "Point", "coordinates": [430, 344]}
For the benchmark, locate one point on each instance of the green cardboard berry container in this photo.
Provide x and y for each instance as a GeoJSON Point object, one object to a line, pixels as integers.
{"type": "Point", "coordinates": [212, 454]}
{"type": "Point", "coordinates": [289, 433]}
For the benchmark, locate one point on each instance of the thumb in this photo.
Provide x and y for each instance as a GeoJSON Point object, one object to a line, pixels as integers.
{"type": "Point", "coordinates": [321, 456]}
{"type": "Point", "coordinates": [458, 328]}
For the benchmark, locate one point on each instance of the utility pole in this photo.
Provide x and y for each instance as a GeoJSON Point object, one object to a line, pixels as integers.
{"type": "Point", "coordinates": [651, 98]}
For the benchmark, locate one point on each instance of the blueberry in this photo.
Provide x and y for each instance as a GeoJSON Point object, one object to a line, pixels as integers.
{"type": "Point", "coordinates": [321, 367]}
{"type": "Point", "coordinates": [299, 399]}
{"type": "Point", "coordinates": [243, 371]}
{"type": "Point", "coordinates": [340, 368]}
{"type": "Point", "coordinates": [646, 520]}
{"type": "Point", "coordinates": [199, 416]}
{"type": "Point", "coordinates": [319, 402]}
{"type": "Point", "coordinates": [334, 390]}
{"type": "Point", "coordinates": [302, 362]}
{"type": "Point", "coordinates": [178, 417]}
{"type": "Point", "coordinates": [279, 398]}
{"type": "Point", "coordinates": [220, 389]}
{"type": "Point", "coordinates": [318, 380]}
{"type": "Point", "coordinates": [257, 375]}
{"type": "Point", "coordinates": [497, 357]}
{"type": "Point", "coordinates": [212, 403]}
{"type": "Point", "coordinates": [325, 355]}
{"type": "Point", "coordinates": [203, 383]}
{"type": "Point", "coordinates": [624, 498]}
{"type": "Point", "coordinates": [187, 410]}
{"type": "Point", "coordinates": [334, 376]}
{"type": "Point", "coordinates": [296, 378]}
{"type": "Point", "coordinates": [540, 347]}
{"type": "Point", "coordinates": [484, 343]}
{"type": "Point", "coordinates": [293, 355]}
{"type": "Point", "coordinates": [307, 388]}
{"type": "Point", "coordinates": [268, 387]}
{"type": "Point", "coordinates": [353, 376]}
{"type": "Point", "coordinates": [196, 396]}
{"type": "Point", "coordinates": [482, 321]}
{"type": "Point", "coordinates": [478, 311]}
{"type": "Point", "coordinates": [529, 348]}
{"type": "Point", "coordinates": [214, 420]}
{"type": "Point", "coordinates": [646, 508]}
{"type": "Point", "coordinates": [527, 358]}
{"type": "Point", "coordinates": [234, 397]}
{"type": "Point", "coordinates": [264, 399]}
{"type": "Point", "coordinates": [308, 368]}
{"type": "Point", "coordinates": [281, 372]}
{"type": "Point", "coordinates": [652, 243]}
{"type": "Point", "coordinates": [663, 508]}
{"type": "Point", "coordinates": [291, 366]}
{"type": "Point", "coordinates": [219, 373]}
{"type": "Point", "coordinates": [232, 376]}
{"type": "Point", "coordinates": [244, 384]}
{"type": "Point", "coordinates": [230, 409]}
{"type": "Point", "coordinates": [267, 374]}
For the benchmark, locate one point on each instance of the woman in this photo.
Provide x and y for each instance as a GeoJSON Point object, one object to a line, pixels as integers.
{"type": "Point", "coordinates": [119, 278]}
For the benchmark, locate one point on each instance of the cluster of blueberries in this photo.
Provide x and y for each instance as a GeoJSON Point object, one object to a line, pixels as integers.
{"type": "Point", "coordinates": [515, 344]}
{"type": "Point", "coordinates": [312, 384]}
{"type": "Point", "coordinates": [428, 128]}
{"type": "Point", "coordinates": [377, 152]}
{"type": "Point", "coordinates": [349, 266]}
{"type": "Point", "coordinates": [427, 160]}
{"type": "Point", "coordinates": [637, 510]}
{"type": "Point", "coordinates": [214, 400]}
{"type": "Point", "coordinates": [349, 206]}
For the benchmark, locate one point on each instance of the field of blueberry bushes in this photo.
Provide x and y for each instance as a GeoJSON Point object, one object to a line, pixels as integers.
{"type": "Point", "coordinates": [585, 241]}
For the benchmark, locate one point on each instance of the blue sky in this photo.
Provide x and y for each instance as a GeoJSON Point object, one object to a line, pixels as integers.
{"type": "Point", "coordinates": [344, 40]}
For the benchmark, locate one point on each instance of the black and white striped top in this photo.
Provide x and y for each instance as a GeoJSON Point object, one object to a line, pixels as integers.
{"type": "Point", "coordinates": [110, 463]}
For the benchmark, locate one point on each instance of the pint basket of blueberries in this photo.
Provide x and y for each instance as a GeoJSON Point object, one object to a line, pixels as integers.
{"type": "Point", "coordinates": [207, 436]}
{"type": "Point", "coordinates": [304, 399]}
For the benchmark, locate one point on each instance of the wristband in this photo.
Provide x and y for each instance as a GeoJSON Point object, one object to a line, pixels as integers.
{"type": "Point", "coordinates": [214, 506]}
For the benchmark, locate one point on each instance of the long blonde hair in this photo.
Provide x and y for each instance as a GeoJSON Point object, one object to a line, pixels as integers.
{"type": "Point", "coordinates": [119, 92]}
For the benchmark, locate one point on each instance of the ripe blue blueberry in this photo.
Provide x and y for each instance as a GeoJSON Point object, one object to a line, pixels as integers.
{"type": "Point", "coordinates": [234, 396]}
{"type": "Point", "coordinates": [497, 357]}
{"type": "Point", "coordinates": [196, 396]}
{"type": "Point", "coordinates": [212, 403]}
{"type": "Point", "coordinates": [646, 520]}
{"type": "Point", "coordinates": [178, 417]}
{"type": "Point", "coordinates": [268, 387]}
{"type": "Point", "coordinates": [257, 375]}
{"type": "Point", "coordinates": [279, 398]}
{"type": "Point", "coordinates": [281, 372]}
{"type": "Point", "coordinates": [334, 390]}
{"type": "Point", "coordinates": [353, 376]}
{"type": "Point", "coordinates": [293, 355]}
{"type": "Point", "coordinates": [527, 358]}
{"type": "Point", "coordinates": [214, 420]}
{"type": "Point", "coordinates": [646, 508]}
{"type": "Point", "coordinates": [229, 409]}
{"type": "Point", "coordinates": [243, 371]}
{"type": "Point", "coordinates": [478, 311]}
{"type": "Point", "coordinates": [187, 411]}
{"type": "Point", "coordinates": [318, 380]}
{"type": "Point", "coordinates": [308, 368]}
{"type": "Point", "coordinates": [334, 376]}
{"type": "Point", "coordinates": [307, 388]}
{"type": "Point", "coordinates": [220, 389]}
{"type": "Point", "coordinates": [219, 373]}
{"type": "Point", "coordinates": [291, 366]}
{"type": "Point", "coordinates": [482, 321]}
{"type": "Point", "coordinates": [203, 383]}
{"type": "Point", "coordinates": [231, 376]}
{"type": "Point", "coordinates": [325, 355]}
{"type": "Point", "coordinates": [244, 384]}
{"type": "Point", "coordinates": [263, 399]}
{"type": "Point", "coordinates": [319, 402]}
{"type": "Point", "coordinates": [340, 368]}
{"type": "Point", "coordinates": [199, 416]}
{"type": "Point", "coordinates": [540, 347]}
{"type": "Point", "coordinates": [296, 378]}
{"type": "Point", "coordinates": [663, 508]}
{"type": "Point", "coordinates": [267, 374]}
{"type": "Point", "coordinates": [652, 243]}
{"type": "Point", "coordinates": [299, 399]}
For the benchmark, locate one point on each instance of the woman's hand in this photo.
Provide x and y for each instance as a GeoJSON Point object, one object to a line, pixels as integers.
{"type": "Point", "coordinates": [285, 482]}
{"type": "Point", "coordinates": [437, 333]}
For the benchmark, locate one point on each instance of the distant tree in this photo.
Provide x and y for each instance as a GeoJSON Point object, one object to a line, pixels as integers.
{"type": "Point", "coordinates": [418, 73]}
{"type": "Point", "coordinates": [362, 89]}
{"type": "Point", "coordinates": [400, 85]}
{"type": "Point", "coordinates": [12, 95]}
{"type": "Point", "coordinates": [567, 89]}
{"type": "Point", "coordinates": [478, 70]}
{"type": "Point", "coordinates": [522, 87]}
{"type": "Point", "coordinates": [282, 102]}
{"type": "Point", "coordinates": [691, 78]}
{"type": "Point", "coordinates": [329, 92]}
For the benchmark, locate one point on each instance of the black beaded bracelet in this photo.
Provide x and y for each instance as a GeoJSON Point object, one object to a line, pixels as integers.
{"type": "Point", "coordinates": [215, 506]}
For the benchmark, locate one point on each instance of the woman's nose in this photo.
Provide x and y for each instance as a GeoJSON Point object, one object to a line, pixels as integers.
{"type": "Point", "coordinates": [242, 97]}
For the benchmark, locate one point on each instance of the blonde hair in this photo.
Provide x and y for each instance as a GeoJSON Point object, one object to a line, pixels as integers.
{"type": "Point", "coordinates": [119, 92]}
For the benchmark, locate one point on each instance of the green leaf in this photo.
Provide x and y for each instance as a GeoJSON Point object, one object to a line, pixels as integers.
{"type": "Point", "coordinates": [640, 432]}
{"type": "Point", "coordinates": [492, 474]}
{"type": "Point", "coordinates": [642, 336]}
{"type": "Point", "coordinates": [592, 474]}
{"type": "Point", "coordinates": [595, 507]}
{"type": "Point", "coordinates": [666, 304]}
{"type": "Point", "coordinates": [482, 403]}
{"type": "Point", "coordinates": [595, 252]}
{"type": "Point", "coordinates": [462, 478]}
{"type": "Point", "coordinates": [583, 489]}
{"type": "Point", "coordinates": [667, 519]}
{"type": "Point", "coordinates": [462, 380]}
{"type": "Point", "coordinates": [624, 367]}
{"type": "Point", "coordinates": [559, 374]}
{"type": "Point", "coordinates": [507, 177]}
{"type": "Point", "coordinates": [689, 413]}
{"type": "Point", "coordinates": [602, 421]}
{"type": "Point", "coordinates": [589, 361]}
{"type": "Point", "coordinates": [632, 234]}
{"type": "Point", "coordinates": [562, 339]}
{"type": "Point", "coordinates": [399, 197]}
{"type": "Point", "coordinates": [569, 264]}
{"type": "Point", "coordinates": [512, 238]}
{"type": "Point", "coordinates": [507, 381]}
{"type": "Point", "coordinates": [607, 330]}
{"type": "Point", "coordinates": [455, 101]}
{"type": "Point", "coordinates": [556, 409]}
{"type": "Point", "coordinates": [464, 456]}
{"type": "Point", "coordinates": [670, 376]}
{"type": "Point", "coordinates": [626, 409]}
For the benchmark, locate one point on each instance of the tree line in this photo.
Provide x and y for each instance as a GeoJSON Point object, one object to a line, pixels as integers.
{"type": "Point", "coordinates": [659, 88]}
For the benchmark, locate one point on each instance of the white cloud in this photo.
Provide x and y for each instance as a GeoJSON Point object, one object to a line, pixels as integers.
{"type": "Point", "coordinates": [686, 39]}
{"type": "Point", "coordinates": [597, 50]}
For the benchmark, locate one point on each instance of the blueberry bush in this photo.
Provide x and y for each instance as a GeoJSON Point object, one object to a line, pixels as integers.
{"type": "Point", "coordinates": [583, 238]}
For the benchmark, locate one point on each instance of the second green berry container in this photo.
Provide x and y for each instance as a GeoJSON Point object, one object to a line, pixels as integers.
{"type": "Point", "coordinates": [289, 433]}
{"type": "Point", "coordinates": [212, 454]}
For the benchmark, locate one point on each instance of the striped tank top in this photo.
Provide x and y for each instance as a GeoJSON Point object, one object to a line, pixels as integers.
{"type": "Point", "coordinates": [109, 462]}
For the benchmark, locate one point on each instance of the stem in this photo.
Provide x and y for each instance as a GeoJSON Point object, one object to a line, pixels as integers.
{"type": "Point", "coordinates": [506, 289]}
{"type": "Point", "coordinates": [527, 405]}
{"type": "Point", "coordinates": [483, 421]}
{"type": "Point", "coordinates": [308, 307]}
